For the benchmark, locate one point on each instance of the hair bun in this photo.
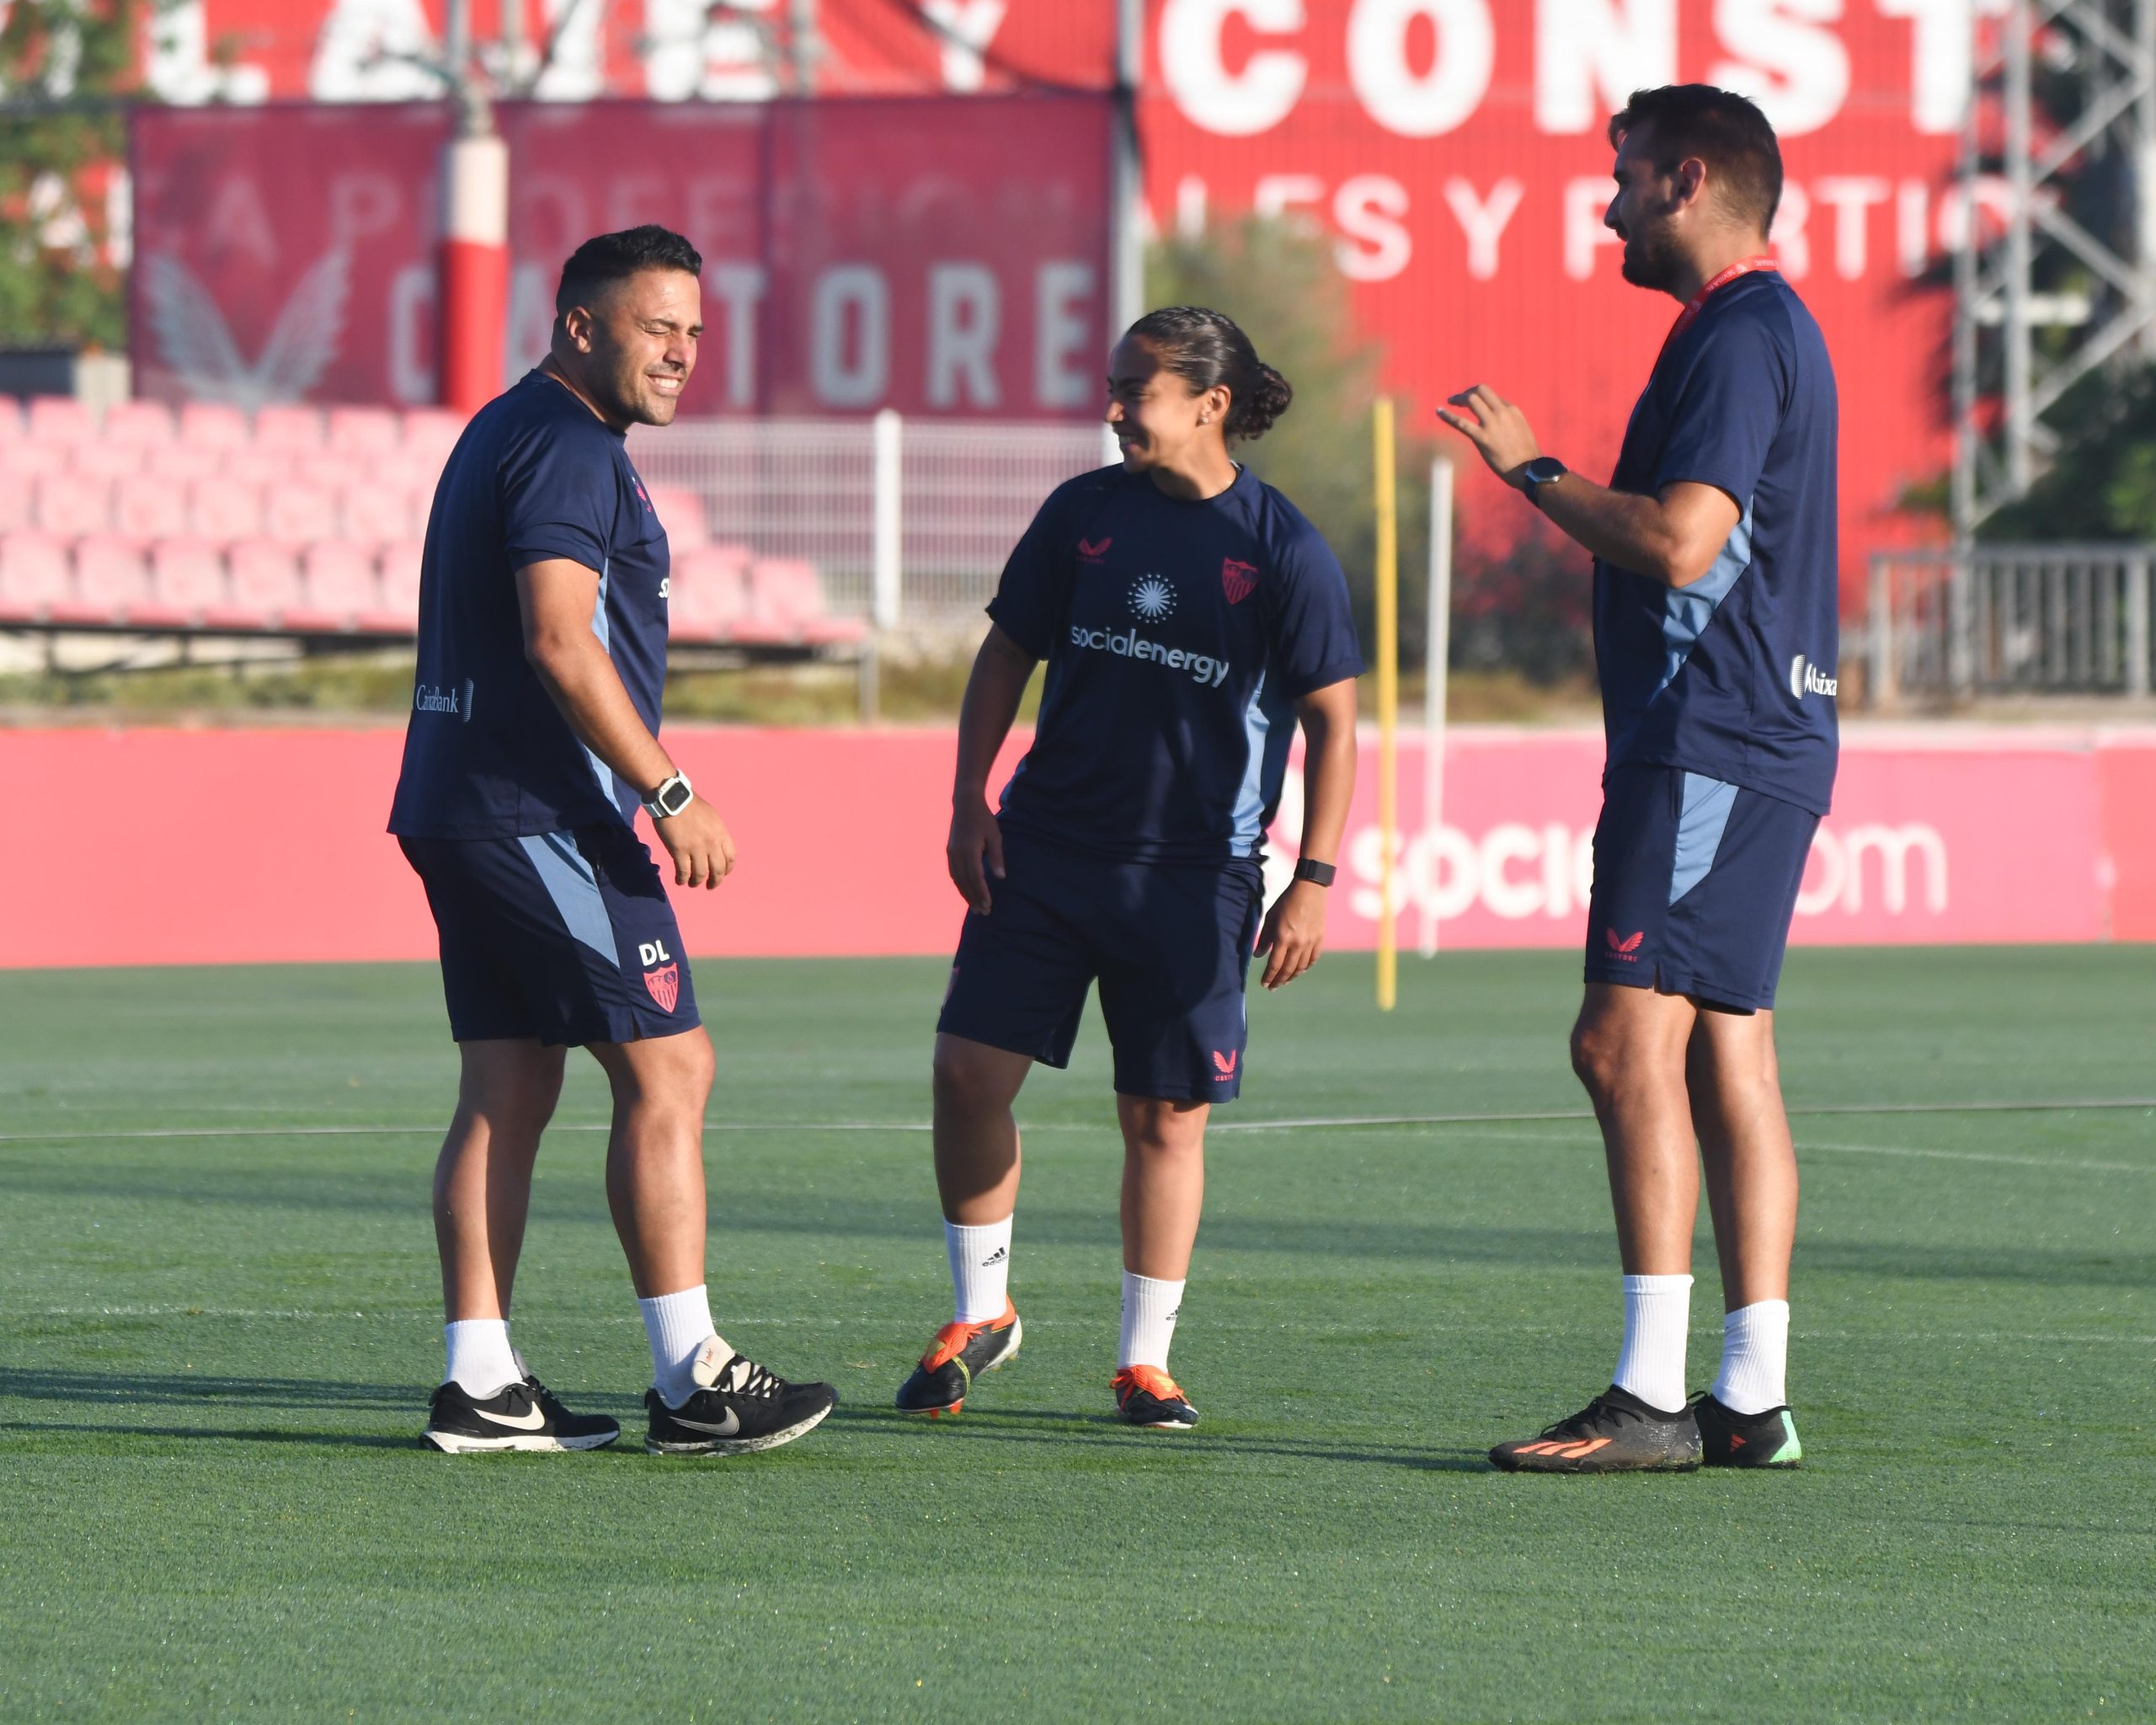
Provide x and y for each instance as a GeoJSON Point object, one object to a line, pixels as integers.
{"type": "Point", "coordinates": [1267, 401]}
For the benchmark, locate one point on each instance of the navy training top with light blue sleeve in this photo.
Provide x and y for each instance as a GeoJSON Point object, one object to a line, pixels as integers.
{"type": "Point", "coordinates": [1734, 676]}
{"type": "Point", "coordinates": [488, 754]}
{"type": "Point", "coordinates": [1178, 636]}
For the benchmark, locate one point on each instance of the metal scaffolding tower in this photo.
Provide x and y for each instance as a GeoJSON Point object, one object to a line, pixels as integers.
{"type": "Point", "coordinates": [2055, 275]}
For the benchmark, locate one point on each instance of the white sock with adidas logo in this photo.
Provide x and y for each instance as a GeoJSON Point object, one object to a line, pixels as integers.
{"type": "Point", "coordinates": [1150, 1308]}
{"type": "Point", "coordinates": [1650, 1364]}
{"type": "Point", "coordinates": [980, 1270]}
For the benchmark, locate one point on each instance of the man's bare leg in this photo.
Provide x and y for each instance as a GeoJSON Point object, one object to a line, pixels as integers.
{"type": "Point", "coordinates": [1163, 1193]}
{"type": "Point", "coordinates": [1628, 1050]}
{"type": "Point", "coordinates": [655, 1156]}
{"type": "Point", "coordinates": [505, 1096]}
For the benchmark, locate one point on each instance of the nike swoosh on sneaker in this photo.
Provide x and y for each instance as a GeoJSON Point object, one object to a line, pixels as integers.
{"type": "Point", "coordinates": [733, 1424]}
{"type": "Point", "coordinates": [516, 1422]}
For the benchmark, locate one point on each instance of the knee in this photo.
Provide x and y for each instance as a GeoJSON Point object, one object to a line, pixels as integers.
{"type": "Point", "coordinates": [964, 1082]}
{"type": "Point", "coordinates": [1596, 1060]}
{"type": "Point", "coordinates": [514, 1098]}
{"type": "Point", "coordinates": [1164, 1131]}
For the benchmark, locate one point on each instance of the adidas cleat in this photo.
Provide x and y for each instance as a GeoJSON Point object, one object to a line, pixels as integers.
{"type": "Point", "coordinates": [1616, 1433]}
{"type": "Point", "coordinates": [522, 1416]}
{"type": "Point", "coordinates": [960, 1353]}
{"type": "Point", "coordinates": [1146, 1396]}
{"type": "Point", "coordinates": [1728, 1438]}
{"type": "Point", "coordinates": [736, 1409]}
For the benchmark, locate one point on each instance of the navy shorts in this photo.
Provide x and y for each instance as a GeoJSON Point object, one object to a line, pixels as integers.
{"type": "Point", "coordinates": [567, 937]}
{"type": "Point", "coordinates": [1696, 881]}
{"type": "Point", "coordinates": [1170, 945]}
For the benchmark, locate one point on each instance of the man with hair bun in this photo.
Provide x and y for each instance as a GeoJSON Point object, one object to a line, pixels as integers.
{"type": "Point", "coordinates": [533, 738]}
{"type": "Point", "coordinates": [1716, 631]}
{"type": "Point", "coordinates": [1189, 616]}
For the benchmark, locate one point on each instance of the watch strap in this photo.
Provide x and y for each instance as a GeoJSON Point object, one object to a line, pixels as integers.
{"type": "Point", "coordinates": [1315, 872]}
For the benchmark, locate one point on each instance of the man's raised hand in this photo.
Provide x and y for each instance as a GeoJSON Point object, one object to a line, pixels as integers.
{"type": "Point", "coordinates": [1497, 429]}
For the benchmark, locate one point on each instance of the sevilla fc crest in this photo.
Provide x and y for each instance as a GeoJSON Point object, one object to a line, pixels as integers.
{"type": "Point", "coordinates": [1239, 580]}
{"type": "Point", "coordinates": [665, 986]}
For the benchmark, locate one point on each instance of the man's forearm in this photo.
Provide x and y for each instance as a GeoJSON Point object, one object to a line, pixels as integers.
{"type": "Point", "coordinates": [986, 714]}
{"type": "Point", "coordinates": [588, 690]}
{"type": "Point", "coordinates": [1328, 783]}
{"type": "Point", "coordinates": [1621, 527]}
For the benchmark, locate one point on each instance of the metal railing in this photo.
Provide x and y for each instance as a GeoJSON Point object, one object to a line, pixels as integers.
{"type": "Point", "coordinates": [2015, 619]}
{"type": "Point", "coordinates": [906, 522]}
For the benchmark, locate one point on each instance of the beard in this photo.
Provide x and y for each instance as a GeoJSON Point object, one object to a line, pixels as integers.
{"type": "Point", "coordinates": [1651, 257]}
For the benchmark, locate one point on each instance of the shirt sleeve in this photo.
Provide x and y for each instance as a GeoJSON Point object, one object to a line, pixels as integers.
{"type": "Point", "coordinates": [1727, 410]}
{"type": "Point", "coordinates": [559, 500]}
{"type": "Point", "coordinates": [1314, 641]}
{"type": "Point", "coordinates": [1031, 598]}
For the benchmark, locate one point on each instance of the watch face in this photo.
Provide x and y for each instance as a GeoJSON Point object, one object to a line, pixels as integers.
{"type": "Point", "coordinates": [1544, 468]}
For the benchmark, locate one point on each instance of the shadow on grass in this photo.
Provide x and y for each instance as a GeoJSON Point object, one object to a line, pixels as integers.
{"type": "Point", "coordinates": [107, 1389]}
{"type": "Point", "coordinates": [346, 1440]}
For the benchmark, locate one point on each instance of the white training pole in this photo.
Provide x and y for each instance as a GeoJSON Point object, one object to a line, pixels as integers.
{"type": "Point", "coordinates": [1437, 638]}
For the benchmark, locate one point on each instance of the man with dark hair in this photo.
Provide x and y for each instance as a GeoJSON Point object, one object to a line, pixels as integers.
{"type": "Point", "coordinates": [533, 737]}
{"type": "Point", "coordinates": [1716, 622]}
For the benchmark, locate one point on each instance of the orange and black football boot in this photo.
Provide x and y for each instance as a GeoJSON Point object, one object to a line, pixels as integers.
{"type": "Point", "coordinates": [1146, 1396]}
{"type": "Point", "coordinates": [960, 1353]}
{"type": "Point", "coordinates": [1616, 1433]}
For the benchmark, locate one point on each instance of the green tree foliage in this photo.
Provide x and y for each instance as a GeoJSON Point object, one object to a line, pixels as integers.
{"type": "Point", "coordinates": [2101, 484]}
{"type": "Point", "coordinates": [63, 66]}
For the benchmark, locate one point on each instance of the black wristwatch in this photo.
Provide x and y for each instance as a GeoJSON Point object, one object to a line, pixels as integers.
{"type": "Point", "coordinates": [1543, 470]}
{"type": "Point", "coordinates": [672, 797]}
{"type": "Point", "coordinates": [1315, 872]}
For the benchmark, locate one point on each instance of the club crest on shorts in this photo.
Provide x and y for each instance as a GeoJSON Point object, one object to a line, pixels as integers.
{"type": "Point", "coordinates": [1238, 580]}
{"type": "Point", "coordinates": [665, 986]}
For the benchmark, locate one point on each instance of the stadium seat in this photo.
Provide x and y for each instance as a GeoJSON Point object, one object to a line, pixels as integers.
{"type": "Point", "coordinates": [107, 461]}
{"type": "Point", "coordinates": [225, 509]}
{"type": "Point", "coordinates": [140, 423]}
{"type": "Point", "coordinates": [681, 513]}
{"type": "Point", "coordinates": [72, 504]}
{"type": "Point", "coordinates": [431, 433]}
{"type": "Point", "coordinates": [258, 466]}
{"type": "Point", "coordinates": [187, 583]}
{"type": "Point", "coordinates": [182, 461]}
{"type": "Point", "coordinates": [28, 458]}
{"type": "Point", "coordinates": [60, 418]}
{"type": "Point", "coordinates": [366, 431]}
{"type": "Point", "coordinates": [112, 581]}
{"type": "Point", "coordinates": [377, 513]}
{"type": "Point", "coordinates": [12, 430]}
{"type": "Point", "coordinates": [17, 501]}
{"type": "Point", "coordinates": [264, 582]}
{"type": "Point", "coordinates": [35, 576]}
{"type": "Point", "coordinates": [400, 583]}
{"type": "Point", "coordinates": [341, 588]}
{"type": "Point", "coordinates": [708, 596]}
{"type": "Point", "coordinates": [208, 424]}
{"type": "Point", "coordinates": [150, 508]}
{"type": "Point", "coordinates": [300, 512]}
{"type": "Point", "coordinates": [789, 594]}
{"type": "Point", "coordinates": [285, 429]}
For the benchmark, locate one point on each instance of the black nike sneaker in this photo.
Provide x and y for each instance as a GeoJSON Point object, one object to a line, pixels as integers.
{"type": "Point", "coordinates": [960, 1353]}
{"type": "Point", "coordinates": [1616, 1433]}
{"type": "Point", "coordinates": [522, 1416]}
{"type": "Point", "coordinates": [1146, 1396]}
{"type": "Point", "coordinates": [1728, 1438]}
{"type": "Point", "coordinates": [736, 1409]}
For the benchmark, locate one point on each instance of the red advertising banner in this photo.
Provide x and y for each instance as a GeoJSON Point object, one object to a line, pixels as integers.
{"type": "Point", "coordinates": [1937, 835]}
{"type": "Point", "coordinates": [933, 254]}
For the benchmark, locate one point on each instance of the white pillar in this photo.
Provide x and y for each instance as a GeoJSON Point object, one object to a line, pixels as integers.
{"type": "Point", "coordinates": [1437, 649]}
{"type": "Point", "coordinates": [889, 562]}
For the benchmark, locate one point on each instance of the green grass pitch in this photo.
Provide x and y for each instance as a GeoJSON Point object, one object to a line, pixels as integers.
{"type": "Point", "coordinates": [218, 1322]}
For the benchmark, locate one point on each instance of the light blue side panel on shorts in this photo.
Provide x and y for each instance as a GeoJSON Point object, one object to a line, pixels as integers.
{"type": "Point", "coordinates": [1699, 825]}
{"type": "Point", "coordinates": [574, 890]}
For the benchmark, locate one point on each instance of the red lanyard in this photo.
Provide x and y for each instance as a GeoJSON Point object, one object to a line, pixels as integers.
{"type": "Point", "coordinates": [1692, 306]}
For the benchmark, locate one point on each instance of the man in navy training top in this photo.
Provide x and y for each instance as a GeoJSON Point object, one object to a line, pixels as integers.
{"type": "Point", "coordinates": [1715, 630]}
{"type": "Point", "coordinates": [542, 659]}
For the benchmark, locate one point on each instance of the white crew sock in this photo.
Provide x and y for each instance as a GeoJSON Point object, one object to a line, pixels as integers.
{"type": "Point", "coordinates": [980, 1270]}
{"type": "Point", "coordinates": [1150, 1307]}
{"type": "Point", "coordinates": [1657, 1311]}
{"type": "Point", "coordinates": [481, 1361]}
{"type": "Point", "coordinates": [677, 1324]}
{"type": "Point", "coordinates": [1754, 1358]}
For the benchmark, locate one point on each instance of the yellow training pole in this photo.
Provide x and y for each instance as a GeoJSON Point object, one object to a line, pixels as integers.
{"type": "Point", "coordinates": [1388, 581]}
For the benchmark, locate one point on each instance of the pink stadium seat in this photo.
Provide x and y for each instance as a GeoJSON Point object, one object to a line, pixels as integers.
{"type": "Point", "coordinates": [150, 508]}
{"type": "Point", "coordinates": [300, 512]}
{"type": "Point", "coordinates": [413, 472]}
{"type": "Point", "coordinates": [400, 583]}
{"type": "Point", "coordinates": [35, 576]}
{"type": "Point", "coordinates": [708, 594]}
{"type": "Point", "coordinates": [208, 424]}
{"type": "Point", "coordinates": [141, 424]}
{"type": "Point", "coordinates": [11, 420]}
{"type": "Point", "coordinates": [681, 513]}
{"type": "Point", "coordinates": [187, 582]}
{"type": "Point", "coordinates": [28, 458]}
{"type": "Point", "coordinates": [225, 509]}
{"type": "Point", "coordinates": [789, 596]}
{"type": "Point", "coordinates": [287, 430]}
{"type": "Point", "coordinates": [107, 461]}
{"type": "Point", "coordinates": [376, 514]}
{"type": "Point", "coordinates": [264, 581]}
{"type": "Point", "coordinates": [189, 461]}
{"type": "Point", "coordinates": [60, 418]}
{"type": "Point", "coordinates": [259, 467]}
{"type": "Point", "coordinates": [112, 581]}
{"type": "Point", "coordinates": [329, 468]}
{"type": "Point", "coordinates": [341, 587]}
{"type": "Point", "coordinates": [17, 500]}
{"type": "Point", "coordinates": [72, 504]}
{"type": "Point", "coordinates": [364, 430]}
{"type": "Point", "coordinates": [432, 433]}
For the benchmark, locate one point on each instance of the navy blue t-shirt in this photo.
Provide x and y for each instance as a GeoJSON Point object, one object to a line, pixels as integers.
{"type": "Point", "coordinates": [1734, 676]}
{"type": "Point", "coordinates": [1178, 636]}
{"type": "Point", "coordinates": [488, 754]}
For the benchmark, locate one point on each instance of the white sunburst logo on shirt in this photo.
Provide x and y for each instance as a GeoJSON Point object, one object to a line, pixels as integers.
{"type": "Point", "coordinates": [1152, 598]}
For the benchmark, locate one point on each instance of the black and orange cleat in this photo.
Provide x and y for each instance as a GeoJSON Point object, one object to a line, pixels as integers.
{"type": "Point", "coordinates": [1146, 1396]}
{"type": "Point", "coordinates": [1729, 1439]}
{"type": "Point", "coordinates": [960, 1353]}
{"type": "Point", "coordinates": [1616, 1433]}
